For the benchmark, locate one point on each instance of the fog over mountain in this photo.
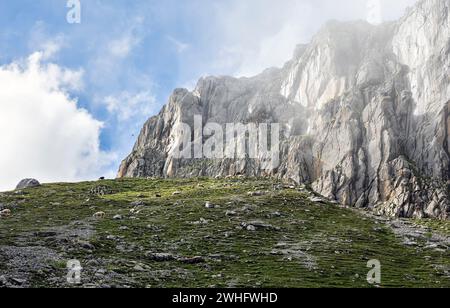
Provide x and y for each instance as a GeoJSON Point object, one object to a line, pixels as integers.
{"type": "Point", "coordinates": [93, 84]}
{"type": "Point", "coordinates": [363, 109]}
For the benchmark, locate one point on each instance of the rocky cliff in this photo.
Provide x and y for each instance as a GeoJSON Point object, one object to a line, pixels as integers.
{"type": "Point", "coordinates": [364, 113]}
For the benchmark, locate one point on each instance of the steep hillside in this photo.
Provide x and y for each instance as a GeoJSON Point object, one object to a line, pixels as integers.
{"type": "Point", "coordinates": [201, 233]}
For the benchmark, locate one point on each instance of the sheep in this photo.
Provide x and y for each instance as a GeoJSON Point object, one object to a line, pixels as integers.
{"type": "Point", "coordinates": [5, 213]}
{"type": "Point", "coordinates": [99, 215]}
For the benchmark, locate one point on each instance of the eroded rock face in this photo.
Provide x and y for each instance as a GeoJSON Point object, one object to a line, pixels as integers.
{"type": "Point", "coordinates": [364, 112]}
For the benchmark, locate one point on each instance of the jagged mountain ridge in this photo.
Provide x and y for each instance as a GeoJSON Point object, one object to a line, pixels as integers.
{"type": "Point", "coordinates": [364, 108]}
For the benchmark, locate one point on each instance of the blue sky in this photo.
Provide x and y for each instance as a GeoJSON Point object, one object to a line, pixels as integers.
{"type": "Point", "coordinates": [125, 57]}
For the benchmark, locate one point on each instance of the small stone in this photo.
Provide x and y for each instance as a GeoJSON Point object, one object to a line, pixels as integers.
{"type": "Point", "coordinates": [258, 225]}
{"type": "Point", "coordinates": [18, 281]}
{"type": "Point", "coordinates": [256, 193]}
{"type": "Point", "coordinates": [176, 193]}
{"type": "Point", "coordinates": [194, 260]}
{"type": "Point", "coordinates": [139, 268]}
{"type": "Point", "coordinates": [202, 221]}
{"type": "Point", "coordinates": [251, 228]}
{"type": "Point", "coordinates": [230, 213]}
{"type": "Point", "coordinates": [249, 208]}
{"type": "Point", "coordinates": [274, 215]}
{"type": "Point", "coordinates": [316, 200]}
{"type": "Point", "coordinates": [137, 203]}
{"type": "Point", "coordinates": [209, 205]}
{"type": "Point", "coordinates": [3, 281]}
{"type": "Point", "coordinates": [118, 217]}
{"type": "Point", "coordinates": [86, 245]}
{"type": "Point", "coordinates": [100, 190]}
{"type": "Point", "coordinates": [160, 257]}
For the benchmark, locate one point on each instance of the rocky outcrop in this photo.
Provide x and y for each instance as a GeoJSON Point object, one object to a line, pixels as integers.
{"type": "Point", "coordinates": [28, 183]}
{"type": "Point", "coordinates": [363, 109]}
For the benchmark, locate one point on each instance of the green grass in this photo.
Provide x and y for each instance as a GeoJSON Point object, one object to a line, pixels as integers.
{"type": "Point", "coordinates": [330, 245]}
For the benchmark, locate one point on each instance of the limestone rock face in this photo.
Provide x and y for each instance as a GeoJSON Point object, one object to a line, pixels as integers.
{"type": "Point", "coordinates": [364, 113]}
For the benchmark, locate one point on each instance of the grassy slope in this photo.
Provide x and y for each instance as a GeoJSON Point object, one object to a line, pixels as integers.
{"type": "Point", "coordinates": [318, 245]}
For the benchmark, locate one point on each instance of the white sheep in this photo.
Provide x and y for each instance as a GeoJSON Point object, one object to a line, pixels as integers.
{"type": "Point", "coordinates": [99, 215]}
{"type": "Point", "coordinates": [5, 213]}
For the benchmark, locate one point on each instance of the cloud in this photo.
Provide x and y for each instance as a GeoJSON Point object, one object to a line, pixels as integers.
{"type": "Point", "coordinates": [127, 106]}
{"type": "Point", "coordinates": [253, 35]}
{"type": "Point", "coordinates": [41, 40]}
{"type": "Point", "coordinates": [109, 60]}
{"type": "Point", "coordinates": [121, 48]}
{"type": "Point", "coordinates": [180, 46]}
{"type": "Point", "coordinates": [44, 134]}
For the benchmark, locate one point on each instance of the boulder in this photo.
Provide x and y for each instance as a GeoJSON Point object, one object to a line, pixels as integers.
{"type": "Point", "coordinates": [28, 183]}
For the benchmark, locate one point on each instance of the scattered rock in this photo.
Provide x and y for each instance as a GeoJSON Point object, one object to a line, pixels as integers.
{"type": "Point", "coordinates": [202, 221]}
{"type": "Point", "coordinates": [251, 228]}
{"type": "Point", "coordinates": [176, 193]}
{"type": "Point", "coordinates": [193, 260]}
{"type": "Point", "coordinates": [258, 225]}
{"type": "Point", "coordinates": [118, 217]}
{"type": "Point", "coordinates": [209, 205]}
{"type": "Point", "coordinates": [230, 213]}
{"type": "Point", "coordinates": [3, 281]}
{"type": "Point", "coordinates": [256, 193]}
{"type": "Point", "coordinates": [45, 234]}
{"type": "Point", "coordinates": [297, 251]}
{"type": "Point", "coordinates": [101, 190]}
{"type": "Point", "coordinates": [137, 203]}
{"type": "Point", "coordinates": [86, 245]}
{"type": "Point", "coordinates": [28, 183]}
{"type": "Point", "coordinates": [18, 281]}
{"type": "Point", "coordinates": [274, 215]}
{"type": "Point", "coordinates": [139, 268]}
{"type": "Point", "coordinates": [316, 200]}
{"type": "Point", "coordinates": [249, 208]}
{"type": "Point", "coordinates": [160, 257]}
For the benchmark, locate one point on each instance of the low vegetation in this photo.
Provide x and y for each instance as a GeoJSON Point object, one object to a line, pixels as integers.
{"type": "Point", "coordinates": [209, 233]}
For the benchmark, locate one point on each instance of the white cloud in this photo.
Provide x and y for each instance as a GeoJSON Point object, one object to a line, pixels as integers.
{"type": "Point", "coordinates": [257, 34]}
{"type": "Point", "coordinates": [127, 112]}
{"type": "Point", "coordinates": [129, 106]}
{"type": "Point", "coordinates": [121, 48]}
{"type": "Point", "coordinates": [179, 45]}
{"type": "Point", "coordinates": [43, 133]}
{"type": "Point", "coordinates": [42, 41]}
{"type": "Point", "coordinates": [108, 61]}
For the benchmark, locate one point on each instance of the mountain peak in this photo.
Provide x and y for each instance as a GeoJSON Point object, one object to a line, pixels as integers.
{"type": "Point", "coordinates": [362, 111]}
